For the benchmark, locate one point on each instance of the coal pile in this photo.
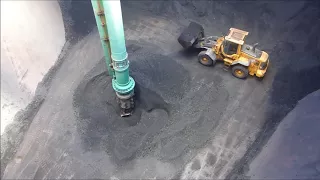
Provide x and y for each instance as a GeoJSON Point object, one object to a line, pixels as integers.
{"type": "Point", "coordinates": [170, 120]}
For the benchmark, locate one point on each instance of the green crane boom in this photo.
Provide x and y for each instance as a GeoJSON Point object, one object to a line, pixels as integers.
{"type": "Point", "coordinates": [108, 16]}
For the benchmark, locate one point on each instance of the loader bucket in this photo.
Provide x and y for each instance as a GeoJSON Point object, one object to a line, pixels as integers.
{"type": "Point", "coordinates": [190, 35]}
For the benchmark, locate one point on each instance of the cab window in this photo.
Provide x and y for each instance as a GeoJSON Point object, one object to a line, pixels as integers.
{"type": "Point", "coordinates": [230, 48]}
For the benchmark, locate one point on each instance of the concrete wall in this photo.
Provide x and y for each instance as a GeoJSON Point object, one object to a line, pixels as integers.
{"type": "Point", "coordinates": [32, 36]}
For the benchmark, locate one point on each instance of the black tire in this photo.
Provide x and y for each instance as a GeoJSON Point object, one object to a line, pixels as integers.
{"type": "Point", "coordinates": [240, 72]}
{"type": "Point", "coordinates": [205, 60]}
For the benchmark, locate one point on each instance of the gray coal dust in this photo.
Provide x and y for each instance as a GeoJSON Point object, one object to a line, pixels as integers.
{"type": "Point", "coordinates": [169, 119]}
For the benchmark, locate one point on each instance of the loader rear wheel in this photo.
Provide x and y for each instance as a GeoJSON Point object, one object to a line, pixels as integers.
{"type": "Point", "coordinates": [240, 72]}
{"type": "Point", "coordinates": [204, 59]}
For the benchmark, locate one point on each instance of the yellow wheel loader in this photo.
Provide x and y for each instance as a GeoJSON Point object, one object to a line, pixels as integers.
{"type": "Point", "coordinates": [243, 59]}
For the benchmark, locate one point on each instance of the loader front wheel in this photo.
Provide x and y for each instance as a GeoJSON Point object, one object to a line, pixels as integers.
{"type": "Point", "coordinates": [240, 72]}
{"type": "Point", "coordinates": [204, 59]}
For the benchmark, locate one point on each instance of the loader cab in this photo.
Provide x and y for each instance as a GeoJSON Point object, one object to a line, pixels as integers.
{"type": "Point", "coordinates": [233, 42]}
{"type": "Point", "coordinates": [230, 48]}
